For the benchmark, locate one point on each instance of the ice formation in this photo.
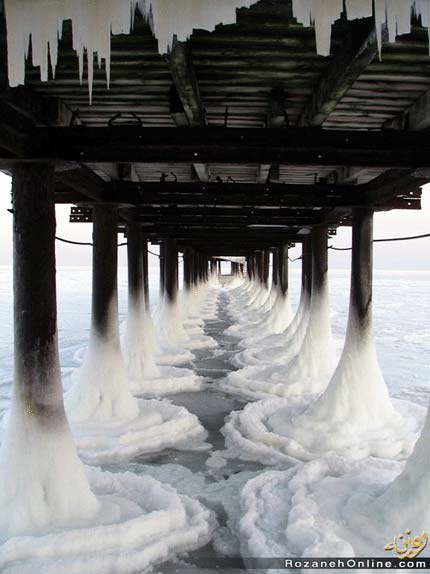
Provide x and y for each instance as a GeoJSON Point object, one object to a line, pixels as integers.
{"type": "Point", "coordinates": [42, 481]}
{"type": "Point", "coordinates": [140, 523]}
{"type": "Point", "coordinates": [363, 505]}
{"type": "Point", "coordinates": [139, 347]}
{"type": "Point", "coordinates": [92, 24]}
{"type": "Point", "coordinates": [159, 425]}
{"type": "Point", "coordinates": [278, 432]}
{"type": "Point", "coordinates": [303, 359]}
{"type": "Point", "coordinates": [100, 391]}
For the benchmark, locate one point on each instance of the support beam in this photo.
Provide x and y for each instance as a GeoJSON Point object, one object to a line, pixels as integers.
{"type": "Point", "coordinates": [145, 265]}
{"type": "Point", "coordinates": [283, 268]}
{"type": "Point", "coordinates": [135, 264]}
{"type": "Point", "coordinates": [105, 271]}
{"type": "Point", "coordinates": [362, 269]}
{"type": "Point", "coordinates": [171, 270]}
{"type": "Point", "coordinates": [37, 378]}
{"type": "Point", "coordinates": [185, 80]}
{"type": "Point", "coordinates": [162, 262]}
{"type": "Point", "coordinates": [351, 60]}
{"type": "Point", "coordinates": [299, 146]}
{"type": "Point", "coordinates": [203, 172]}
{"type": "Point", "coordinates": [278, 115]}
{"type": "Point", "coordinates": [38, 453]}
{"type": "Point", "coordinates": [189, 270]}
{"type": "Point", "coordinates": [307, 250]}
{"type": "Point", "coordinates": [266, 267]}
{"type": "Point", "coordinates": [275, 267]}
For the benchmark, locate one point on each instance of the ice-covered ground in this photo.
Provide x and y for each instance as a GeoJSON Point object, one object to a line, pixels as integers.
{"type": "Point", "coordinates": [402, 313]}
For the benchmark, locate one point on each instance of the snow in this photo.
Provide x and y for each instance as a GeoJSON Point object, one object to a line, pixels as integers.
{"type": "Point", "coordinates": [353, 416]}
{"type": "Point", "coordinates": [300, 361]}
{"type": "Point", "coordinates": [159, 425]}
{"type": "Point", "coordinates": [42, 481]}
{"type": "Point", "coordinates": [276, 513]}
{"type": "Point", "coordinates": [140, 523]}
{"type": "Point", "coordinates": [363, 505]}
{"type": "Point", "coordinates": [284, 431]}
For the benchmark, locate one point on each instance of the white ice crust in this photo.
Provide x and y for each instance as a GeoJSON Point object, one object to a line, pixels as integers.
{"type": "Point", "coordinates": [93, 22]}
{"type": "Point", "coordinates": [362, 505]}
{"type": "Point", "coordinates": [139, 523]}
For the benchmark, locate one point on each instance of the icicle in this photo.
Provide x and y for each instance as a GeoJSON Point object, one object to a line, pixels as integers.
{"type": "Point", "coordinates": [94, 22]}
{"type": "Point", "coordinates": [324, 14]}
{"type": "Point", "coordinates": [422, 9]}
{"type": "Point", "coordinates": [380, 20]}
{"type": "Point", "coordinates": [356, 9]}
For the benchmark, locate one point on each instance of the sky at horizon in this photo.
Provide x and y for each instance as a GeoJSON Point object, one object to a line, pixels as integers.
{"type": "Point", "coordinates": [404, 255]}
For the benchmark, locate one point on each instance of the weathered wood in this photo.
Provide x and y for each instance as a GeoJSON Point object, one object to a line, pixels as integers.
{"type": "Point", "coordinates": [145, 268]}
{"type": "Point", "coordinates": [362, 268]}
{"type": "Point", "coordinates": [307, 265]}
{"type": "Point", "coordinates": [171, 270]}
{"type": "Point", "coordinates": [189, 268]}
{"type": "Point", "coordinates": [105, 267]}
{"type": "Point", "coordinates": [275, 267]}
{"type": "Point", "coordinates": [300, 146]}
{"type": "Point", "coordinates": [266, 267]}
{"type": "Point", "coordinates": [351, 60]}
{"type": "Point", "coordinates": [162, 262]}
{"type": "Point", "coordinates": [37, 378]}
{"type": "Point", "coordinates": [186, 83]}
{"type": "Point", "coordinates": [319, 257]}
{"type": "Point", "coordinates": [135, 261]}
{"type": "Point", "coordinates": [282, 253]}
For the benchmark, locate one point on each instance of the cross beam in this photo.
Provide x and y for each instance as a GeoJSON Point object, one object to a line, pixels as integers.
{"type": "Point", "coordinates": [301, 146]}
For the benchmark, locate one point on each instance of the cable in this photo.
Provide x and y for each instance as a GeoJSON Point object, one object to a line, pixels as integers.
{"type": "Point", "coordinates": [385, 240]}
{"type": "Point", "coordinates": [72, 242]}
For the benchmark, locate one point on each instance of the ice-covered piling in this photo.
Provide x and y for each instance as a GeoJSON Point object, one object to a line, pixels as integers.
{"type": "Point", "coordinates": [315, 362]}
{"type": "Point", "coordinates": [138, 346]}
{"type": "Point", "coordinates": [357, 394]}
{"type": "Point", "coordinates": [170, 320]}
{"type": "Point", "coordinates": [101, 389]}
{"type": "Point", "coordinates": [42, 481]}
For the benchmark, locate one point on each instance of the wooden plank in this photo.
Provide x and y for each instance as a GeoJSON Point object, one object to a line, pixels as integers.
{"type": "Point", "coordinates": [351, 60]}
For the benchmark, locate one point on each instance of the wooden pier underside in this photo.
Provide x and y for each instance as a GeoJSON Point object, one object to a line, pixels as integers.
{"type": "Point", "coordinates": [239, 140]}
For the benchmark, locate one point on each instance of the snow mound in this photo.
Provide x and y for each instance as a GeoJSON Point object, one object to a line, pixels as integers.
{"type": "Point", "coordinates": [171, 380]}
{"type": "Point", "coordinates": [158, 426]}
{"type": "Point", "coordinates": [174, 356]}
{"type": "Point", "coordinates": [277, 432]}
{"type": "Point", "coordinates": [141, 522]}
{"type": "Point", "coordinates": [308, 510]}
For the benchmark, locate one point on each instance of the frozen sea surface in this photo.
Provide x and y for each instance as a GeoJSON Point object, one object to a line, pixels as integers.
{"type": "Point", "coordinates": [401, 307]}
{"type": "Point", "coordinates": [402, 325]}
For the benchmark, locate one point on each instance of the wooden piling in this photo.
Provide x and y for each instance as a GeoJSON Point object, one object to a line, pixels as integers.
{"type": "Point", "coordinates": [171, 270]}
{"type": "Point", "coordinates": [37, 377]}
{"type": "Point", "coordinates": [283, 263]}
{"type": "Point", "coordinates": [362, 267]}
{"type": "Point", "coordinates": [105, 268]}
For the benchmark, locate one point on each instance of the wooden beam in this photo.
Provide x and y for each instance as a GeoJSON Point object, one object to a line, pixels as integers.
{"type": "Point", "coordinates": [347, 65]}
{"type": "Point", "coordinates": [416, 117]}
{"type": "Point", "coordinates": [263, 173]}
{"type": "Point", "coordinates": [278, 115]}
{"type": "Point", "coordinates": [202, 171]}
{"type": "Point", "coordinates": [185, 80]}
{"type": "Point", "coordinates": [280, 196]}
{"type": "Point", "coordinates": [84, 181]}
{"type": "Point", "coordinates": [299, 146]}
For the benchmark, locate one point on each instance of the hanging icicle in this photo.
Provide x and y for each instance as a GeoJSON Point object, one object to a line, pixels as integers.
{"type": "Point", "coordinates": [93, 23]}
